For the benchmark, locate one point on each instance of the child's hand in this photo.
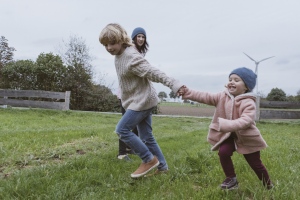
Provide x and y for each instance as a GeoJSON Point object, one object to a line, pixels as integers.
{"type": "Point", "coordinates": [181, 90]}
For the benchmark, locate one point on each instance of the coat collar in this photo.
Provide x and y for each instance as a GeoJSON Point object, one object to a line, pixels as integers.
{"type": "Point", "coordinates": [248, 95]}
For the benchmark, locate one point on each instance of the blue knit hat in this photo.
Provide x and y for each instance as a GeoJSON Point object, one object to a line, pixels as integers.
{"type": "Point", "coordinates": [137, 31]}
{"type": "Point", "coordinates": [247, 75]}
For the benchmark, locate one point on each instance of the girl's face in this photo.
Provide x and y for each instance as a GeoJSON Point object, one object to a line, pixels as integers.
{"type": "Point", "coordinates": [236, 85]}
{"type": "Point", "coordinates": [114, 48]}
{"type": "Point", "coordinates": [140, 38]}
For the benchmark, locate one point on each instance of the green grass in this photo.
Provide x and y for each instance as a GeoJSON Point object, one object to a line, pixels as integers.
{"type": "Point", "coordinates": [49, 154]}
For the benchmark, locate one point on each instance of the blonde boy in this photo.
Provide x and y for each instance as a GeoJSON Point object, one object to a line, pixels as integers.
{"type": "Point", "coordinates": [138, 97]}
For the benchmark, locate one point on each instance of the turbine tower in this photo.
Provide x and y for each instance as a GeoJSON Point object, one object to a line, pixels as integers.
{"type": "Point", "coordinates": [256, 68]}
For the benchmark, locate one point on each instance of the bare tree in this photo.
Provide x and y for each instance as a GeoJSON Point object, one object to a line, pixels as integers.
{"type": "Point", "coordinates": [85, 94]}
{"type": "Point", "coordinates": [75, 53]}
{"type": "Point", "coordinates": [6, 52]}
{"type": "Point", "coordinates": [76, 56]}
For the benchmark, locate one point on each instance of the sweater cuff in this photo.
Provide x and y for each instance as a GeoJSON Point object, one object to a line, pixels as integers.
{"type": "Point", "coordinates": [176, 86]}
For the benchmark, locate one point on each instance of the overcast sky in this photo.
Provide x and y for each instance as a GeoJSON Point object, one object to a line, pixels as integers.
{"type": "Point", "coordinates": [198, 42]}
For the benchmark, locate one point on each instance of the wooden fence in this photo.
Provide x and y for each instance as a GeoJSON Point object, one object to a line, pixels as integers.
{"type": "Point", "coordinates": [279, 110]}
{"type": "Point", "coordinates": [280, 104]}
{"type": "Point", "coordinates": [279, 114]}
{"type": "Point", "coordinates": [43, 99]}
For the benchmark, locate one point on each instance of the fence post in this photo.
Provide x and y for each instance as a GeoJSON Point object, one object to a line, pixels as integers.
{"type": "Point", "coordinates": [4, 106]}
{"type": "Point", "coordinates": [67, 100]}
{"type": "Point", "coordinates": [257, 108]}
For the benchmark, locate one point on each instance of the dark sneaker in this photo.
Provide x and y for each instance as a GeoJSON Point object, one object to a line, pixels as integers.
{"type": "Point", "coordinates": [144, 168]}
{"type": "Point", "coordinates": [158, 172]}
{"type": "Point", "coordinates": [229, 184]}
{"type": "Point", "coordinates": [123, 157]}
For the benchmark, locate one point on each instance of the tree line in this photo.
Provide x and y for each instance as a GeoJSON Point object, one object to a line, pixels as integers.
{"type": "Point", "coordinates": [71, 70]}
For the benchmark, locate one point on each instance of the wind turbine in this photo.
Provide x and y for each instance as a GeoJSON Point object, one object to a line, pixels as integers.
{"type": "Point", "coordinates": [256, 68]}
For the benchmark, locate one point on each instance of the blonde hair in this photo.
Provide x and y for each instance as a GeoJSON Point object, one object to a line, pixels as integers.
{"type": "Point", "coordinates": [114, 33]}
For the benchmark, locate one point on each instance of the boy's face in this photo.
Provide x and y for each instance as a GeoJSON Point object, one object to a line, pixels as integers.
{"type": "Point", "coordinates": [236, 85]}
{"type": "Point", "coordinates": [114, 48]}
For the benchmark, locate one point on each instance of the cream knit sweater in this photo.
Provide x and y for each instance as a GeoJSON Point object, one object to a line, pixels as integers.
{"type": "Point", "coordinates": [135, 75]}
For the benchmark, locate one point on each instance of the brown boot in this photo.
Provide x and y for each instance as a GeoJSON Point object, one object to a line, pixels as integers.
{"type": "Point", "coordinates": [144, 168]}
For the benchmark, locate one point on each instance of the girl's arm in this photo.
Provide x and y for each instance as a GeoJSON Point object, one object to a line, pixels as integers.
{"type": "Point", "coordinates": [201, 97]}
{"type": "Point", "coordinates": [246, 119]}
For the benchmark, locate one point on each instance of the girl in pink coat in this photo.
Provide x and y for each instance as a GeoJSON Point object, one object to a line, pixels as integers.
{"type": "Point", "coordinates": [233, 125]}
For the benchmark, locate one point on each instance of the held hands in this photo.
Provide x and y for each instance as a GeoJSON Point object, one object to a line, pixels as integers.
{"type": "Point", "coordinates": [182, 90]}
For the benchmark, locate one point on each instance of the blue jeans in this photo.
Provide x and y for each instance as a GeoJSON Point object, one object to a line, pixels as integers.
{"type": "Point", "coordinates": [144, 145]}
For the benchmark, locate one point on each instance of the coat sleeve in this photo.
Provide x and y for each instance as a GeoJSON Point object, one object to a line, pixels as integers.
{"type": "Point", "coordinates": [202, 97]}
{"type": "Point", "coordinates": [246, 119]}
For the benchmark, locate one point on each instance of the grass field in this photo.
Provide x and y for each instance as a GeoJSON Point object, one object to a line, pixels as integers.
{"type": "Point", "coordinates": [49, 154]}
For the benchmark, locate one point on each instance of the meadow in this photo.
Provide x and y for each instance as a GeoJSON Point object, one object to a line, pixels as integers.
{"type": "Point", "coordinates": [51, 154]}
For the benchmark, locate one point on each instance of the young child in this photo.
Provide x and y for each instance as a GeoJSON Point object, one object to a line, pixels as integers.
{"type": "Point", "coordinates": [138, 97]}
{"type": "Point", "coordinates": [233, 125]}
{"type": "Point", "coordinates": [139, 40]}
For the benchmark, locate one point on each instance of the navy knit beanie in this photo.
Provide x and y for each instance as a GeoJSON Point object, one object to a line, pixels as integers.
{"type": "Point", "coordinates": [137, 31]}
{"type": "Point", "coordinates": [247, 75]}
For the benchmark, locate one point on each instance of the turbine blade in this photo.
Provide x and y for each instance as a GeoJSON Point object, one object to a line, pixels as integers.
{"type": "Point", "coordinates": [266, 58]}
{"type": "Point", "coordinates": [249, 57]}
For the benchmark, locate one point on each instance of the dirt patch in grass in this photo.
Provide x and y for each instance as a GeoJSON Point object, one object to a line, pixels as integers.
{"type": "Point", "coordinates": [187, 111]}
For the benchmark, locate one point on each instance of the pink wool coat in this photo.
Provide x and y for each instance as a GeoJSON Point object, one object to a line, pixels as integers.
{"type": "Point", "coordinates": [232, 114]}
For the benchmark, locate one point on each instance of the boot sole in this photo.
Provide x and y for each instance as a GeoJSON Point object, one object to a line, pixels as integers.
{"type": "Point", "coordinates": [142, 174]}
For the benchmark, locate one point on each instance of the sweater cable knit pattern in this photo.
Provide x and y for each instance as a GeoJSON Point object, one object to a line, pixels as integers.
{"type": "Point", "coordinates": [135, 75]}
